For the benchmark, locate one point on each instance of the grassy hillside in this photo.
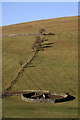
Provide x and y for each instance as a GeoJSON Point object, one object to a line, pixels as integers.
{"type": "Point", "coordinates": [55, 68]}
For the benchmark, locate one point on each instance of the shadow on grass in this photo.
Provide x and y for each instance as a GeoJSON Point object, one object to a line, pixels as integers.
{"type": "Point", "coordinates": [49, 34]}
{"type": "Point", "coordinates": [48, 43]}
{"type": "Point", "coordinates": [31, 66]}
{"type": "Point", "coordinates": [68, 98]}
{"type": "Point", "coordinates": [47, 46]}
{"type": "Point", "coordinates": [44, 40]}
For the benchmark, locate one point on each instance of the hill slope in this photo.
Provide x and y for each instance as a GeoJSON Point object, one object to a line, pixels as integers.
{"type": "Point", "coordinates": [55, 68]}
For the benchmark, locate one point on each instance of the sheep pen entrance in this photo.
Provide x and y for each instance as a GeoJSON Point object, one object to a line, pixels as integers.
{"type": "Point", "coordinates": [46, 97]}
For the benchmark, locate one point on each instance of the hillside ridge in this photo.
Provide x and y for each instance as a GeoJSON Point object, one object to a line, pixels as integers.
{"type": "Point", "coordinates": [40, 20]}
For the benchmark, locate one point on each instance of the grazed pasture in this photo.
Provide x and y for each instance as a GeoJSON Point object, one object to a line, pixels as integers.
{"type": "Point", "coordinates": [55, 68]}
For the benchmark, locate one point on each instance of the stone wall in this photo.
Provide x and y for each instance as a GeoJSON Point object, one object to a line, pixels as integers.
{"type": "Point", "coordinates": [46, 100]}
{"type": "Point", "coordinates": [38, 100]}
{"type": "Point", "coordinates": [14, 80]}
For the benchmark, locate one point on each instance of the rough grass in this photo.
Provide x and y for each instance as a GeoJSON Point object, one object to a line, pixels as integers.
{"type": "Point", "coordinates": [55, 68]}
{"type": "Point", "coordinates": [14, 107]}
{"type": "Point", "coordinates": [14, 50]}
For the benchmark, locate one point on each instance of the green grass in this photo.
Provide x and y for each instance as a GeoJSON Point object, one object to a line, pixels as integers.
{"type": "Point", "coordinates": [14, 50]}
{"type": "Point", "coordinates": [18, 108]}
{"type": "Point", "coordinates": [55, 68]}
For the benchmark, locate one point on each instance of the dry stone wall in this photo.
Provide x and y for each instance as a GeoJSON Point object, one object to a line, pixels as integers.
{"type": "Point", "coordinates": [38, 100]}
{"type": "Point", "coordinates": [14, 80]}
{"type": "Point", "coordinates": [49, 100]}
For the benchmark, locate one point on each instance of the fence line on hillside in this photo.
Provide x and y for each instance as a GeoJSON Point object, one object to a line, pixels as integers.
{"type": "Point", "coordinates": [12, 35]}
{"type": "Point", "coordinates": [21, 69]}
{"type": "Point", "coordinates": [14, 80]}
